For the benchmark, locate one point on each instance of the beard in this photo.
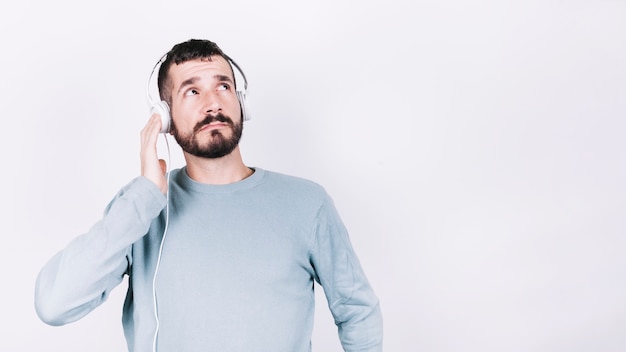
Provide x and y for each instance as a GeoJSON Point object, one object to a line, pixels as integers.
{"type": "Point", "coordinates": [217, 146]}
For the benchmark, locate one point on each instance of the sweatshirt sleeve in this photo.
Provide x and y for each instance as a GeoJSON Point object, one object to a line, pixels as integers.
{"type": "Point", "coordinates": [351, 299]}
{"type": "Point", "coordinates": [80, 277]}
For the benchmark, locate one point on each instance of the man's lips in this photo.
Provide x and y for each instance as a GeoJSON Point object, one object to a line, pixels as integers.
{"type": "Point", "coordinates": [213, 122]}
{"type": "Point", "coordinates": [213, 126]}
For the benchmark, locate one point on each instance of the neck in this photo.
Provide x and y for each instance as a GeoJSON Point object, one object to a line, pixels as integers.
{"type": "Point", "coordinates": [220, 171]}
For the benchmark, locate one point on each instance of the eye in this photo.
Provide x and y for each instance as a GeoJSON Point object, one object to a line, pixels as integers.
{"type": "Point", "coordinates": [223, 86]}
{"type": "Point", "coordinates": [191, 92]}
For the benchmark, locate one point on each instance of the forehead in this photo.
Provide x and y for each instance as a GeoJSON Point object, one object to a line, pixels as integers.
{"type": "Point", "coordinates": [202, 68]}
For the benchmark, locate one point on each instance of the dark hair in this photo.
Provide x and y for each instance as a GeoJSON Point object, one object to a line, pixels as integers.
{"type": "Point", "coordinates": [183, 52]}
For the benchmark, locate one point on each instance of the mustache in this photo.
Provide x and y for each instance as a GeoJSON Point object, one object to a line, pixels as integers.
{"type": "Point", "coordinates": [219, 117]}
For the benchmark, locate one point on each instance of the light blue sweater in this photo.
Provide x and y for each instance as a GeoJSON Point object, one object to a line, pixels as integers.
{"type": "Point", "coordinates": [236, 270]}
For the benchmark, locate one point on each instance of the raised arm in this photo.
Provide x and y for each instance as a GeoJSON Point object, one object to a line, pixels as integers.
{"type": "Point", "coordinates": [81, 276]}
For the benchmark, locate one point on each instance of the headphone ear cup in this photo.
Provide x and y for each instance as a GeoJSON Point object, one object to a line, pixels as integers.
{"type": "Point", "coordinates": [245, 109]}
{"type": "Point", "coordinates": [163, 110]}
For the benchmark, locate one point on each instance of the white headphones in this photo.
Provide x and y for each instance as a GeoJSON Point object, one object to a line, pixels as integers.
{"type": "Point", "coordinates": [162, 108]}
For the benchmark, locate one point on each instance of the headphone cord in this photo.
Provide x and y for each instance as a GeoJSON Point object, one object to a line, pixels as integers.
{"type": "Point", "coordinates": [158, 263]}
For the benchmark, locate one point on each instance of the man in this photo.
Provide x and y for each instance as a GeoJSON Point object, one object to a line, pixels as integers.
{"type": "Point", "coordinates": [220, 257]}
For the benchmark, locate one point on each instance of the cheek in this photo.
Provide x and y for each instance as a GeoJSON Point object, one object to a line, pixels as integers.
{"type": "Point", "coordinates": [181, 116]}
{"type": "Point", "coordinates": [236, 108]}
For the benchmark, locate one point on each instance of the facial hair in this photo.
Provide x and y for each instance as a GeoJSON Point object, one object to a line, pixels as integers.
{"type": "Point", "coordinates": [217, 146]}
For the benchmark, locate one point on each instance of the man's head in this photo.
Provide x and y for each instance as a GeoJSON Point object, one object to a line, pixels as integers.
{"type": "Point", "coordinates": [197, 81]}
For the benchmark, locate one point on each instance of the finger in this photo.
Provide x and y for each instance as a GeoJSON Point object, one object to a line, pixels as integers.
{"type": "Point", "coordinates": [163, 165]}
{"type": "Point", "coordinates": [150, 133]}
{"type": "Point", "coordinates": [152, 127]}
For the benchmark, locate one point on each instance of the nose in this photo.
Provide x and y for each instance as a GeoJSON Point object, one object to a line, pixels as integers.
{"type": "Point", "coordinates": [211, 104]}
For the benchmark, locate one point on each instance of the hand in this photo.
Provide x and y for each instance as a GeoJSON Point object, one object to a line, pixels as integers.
{"type": "Point", "coordinates": [152, 167]}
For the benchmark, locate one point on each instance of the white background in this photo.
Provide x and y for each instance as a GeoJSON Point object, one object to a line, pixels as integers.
{"type": "Point", "coordinates": [475, 150]}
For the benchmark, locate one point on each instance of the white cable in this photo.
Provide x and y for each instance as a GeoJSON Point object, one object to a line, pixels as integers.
{"type": "Point", "coordinates": [158, 263]}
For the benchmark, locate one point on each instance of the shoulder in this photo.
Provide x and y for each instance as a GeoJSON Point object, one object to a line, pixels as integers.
{"type": "Point", "coordinates": [293, 185]}
{"type": "Point", "coordinates": [290, 181]}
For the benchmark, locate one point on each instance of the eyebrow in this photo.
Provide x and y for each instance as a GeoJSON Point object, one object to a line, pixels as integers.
{"type": "Point", "coordinates": [193, 80]}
